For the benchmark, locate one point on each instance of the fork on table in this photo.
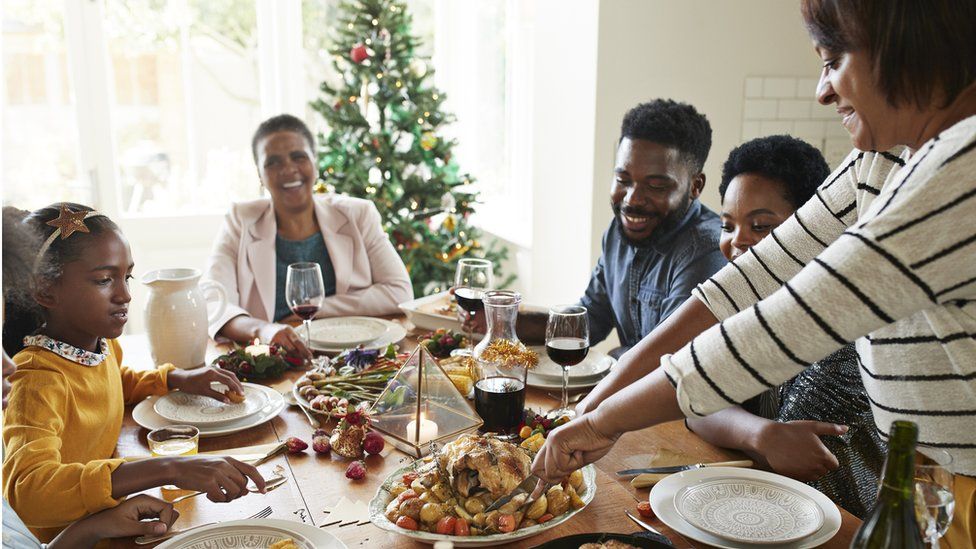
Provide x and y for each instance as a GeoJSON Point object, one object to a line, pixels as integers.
{"type": "Point", "coordinates": [146, 540]}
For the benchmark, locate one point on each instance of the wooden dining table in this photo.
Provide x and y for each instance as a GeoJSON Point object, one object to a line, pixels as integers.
{"type": "Point", "coordinates": [317, 483]}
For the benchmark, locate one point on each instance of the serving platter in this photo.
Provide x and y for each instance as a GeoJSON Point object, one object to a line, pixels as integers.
{"type": "Point", "coordinates": [382, 498]}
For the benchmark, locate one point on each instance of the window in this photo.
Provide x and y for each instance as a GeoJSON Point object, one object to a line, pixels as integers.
{"type": "Point", "coordinates": [183, 83]}
{"type": "Point", "coordinates": [40, 131]}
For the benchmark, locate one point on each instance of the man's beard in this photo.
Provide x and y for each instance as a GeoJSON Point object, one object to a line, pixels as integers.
{"type": "Point", "coordinates": [665, 225]}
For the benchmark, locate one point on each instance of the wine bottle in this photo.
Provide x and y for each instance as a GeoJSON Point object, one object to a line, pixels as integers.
{"type": "Point", "coordinates": [892, 523]}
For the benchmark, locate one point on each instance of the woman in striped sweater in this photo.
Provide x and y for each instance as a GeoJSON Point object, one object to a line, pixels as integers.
{"type": "Point", "coordinates": [883, 256]}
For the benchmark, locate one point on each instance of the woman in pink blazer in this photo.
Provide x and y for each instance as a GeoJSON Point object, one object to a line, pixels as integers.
{"type": "Point", "coordinates": [362, 272]}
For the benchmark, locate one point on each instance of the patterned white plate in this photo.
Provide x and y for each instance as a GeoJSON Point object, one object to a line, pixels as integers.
{"type": "Point", "coordinates": [377, 508]}
{"type": "Point", "coordinates": [146, 417]}
{"type": "Point", "coordinates": [241, 534]}
{"type": "Point", "coordinates": [346, 331]}
{"type": "Point", "coordinates": [662, 498]}
{"type": "Point", "coordinates": [198, 410]}
{"type": "Point", "coordinates": [748, 510]}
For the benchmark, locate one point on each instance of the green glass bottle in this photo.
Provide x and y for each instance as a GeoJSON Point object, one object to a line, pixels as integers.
{"type": "Point", "coordinates": [892, 523]}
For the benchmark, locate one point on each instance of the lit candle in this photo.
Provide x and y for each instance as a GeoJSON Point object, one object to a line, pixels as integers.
{"type": "Point", "coordinates": [257, 349]}
{"type": "Point", "coordinates": [428, 430]}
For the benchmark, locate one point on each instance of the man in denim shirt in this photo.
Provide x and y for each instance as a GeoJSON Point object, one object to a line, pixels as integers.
{"type": "Point", "coordinates": [662, 241]}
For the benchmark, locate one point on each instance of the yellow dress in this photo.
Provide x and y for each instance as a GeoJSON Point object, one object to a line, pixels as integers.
{"type": "Point", "coordinates": [61, 427]}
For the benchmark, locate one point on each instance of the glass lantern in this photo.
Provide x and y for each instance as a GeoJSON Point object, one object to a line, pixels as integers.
{"type": "Point", "coordinates": [420, 407]}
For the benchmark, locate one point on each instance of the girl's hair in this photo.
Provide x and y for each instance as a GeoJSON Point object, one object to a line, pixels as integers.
{"type": "Point", "coordinates": [23, 315]}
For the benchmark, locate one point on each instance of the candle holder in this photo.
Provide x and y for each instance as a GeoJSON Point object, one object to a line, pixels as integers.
{"type": "Point", "coordinates": [421, 405]}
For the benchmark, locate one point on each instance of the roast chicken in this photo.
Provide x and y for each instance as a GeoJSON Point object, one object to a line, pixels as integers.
{"type": "Point", "coordinates": [475, 462]}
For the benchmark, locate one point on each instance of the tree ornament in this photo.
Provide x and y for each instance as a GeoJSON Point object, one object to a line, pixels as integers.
{"type": "Point", "coordinates": [450, 223]}
{"type": "Point", "coordinates": [359, 53]}
{"type": "Point", "coordinates": [448, 202]}
{"type": "Point", "coordinates": [418, 67]}
{"type": "Point", "coordinates": [428, 141]}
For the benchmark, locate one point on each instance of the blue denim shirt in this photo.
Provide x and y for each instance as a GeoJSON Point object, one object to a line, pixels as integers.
{"type": "Point", "coordinates": [634, 288]}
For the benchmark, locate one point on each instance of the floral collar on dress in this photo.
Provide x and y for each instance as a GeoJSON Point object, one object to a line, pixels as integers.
{"type": "Point", "coordinates": [68, 351]}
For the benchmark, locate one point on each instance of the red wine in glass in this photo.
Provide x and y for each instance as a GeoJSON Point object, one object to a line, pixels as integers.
{"type": "Point", "coordinates": [500, 401]}
{"type": "Point", "coordinates": [305, 312]}
{"type": "Point", "coordinates": [469, 299]}
{"type": "Point", "coordinates": [567, 351]}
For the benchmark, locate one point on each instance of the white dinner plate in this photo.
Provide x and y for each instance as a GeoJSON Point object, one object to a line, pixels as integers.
{"type": "Point", "coordinates": [146, 416]}
{"type": "Point", "coordinates": [199, 410]}
{"type": "Point", "coordinates": [432, 312]}
{"type": "Point", "coordinates": [256, 533]}
{"type": "Point", "coordinates": [377, 509]}
{"type": "Point", "coordinates": [748, 510]}
{"type": "Point", "coordinates": [346, 331]}
{"type": "Point", "coordinates": [594, 367]}
{"type": "Point", "coordinates": [662, 498]}
{"type": "Point", "coordinates": [393, 333]}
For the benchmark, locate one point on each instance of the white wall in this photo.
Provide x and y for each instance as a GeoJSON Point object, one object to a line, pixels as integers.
{"type": "Point", "coordinates": [695, 51]}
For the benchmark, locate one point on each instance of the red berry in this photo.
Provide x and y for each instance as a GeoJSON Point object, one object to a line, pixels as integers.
{"type": "Point", "coordinates": [373, 443]}
{"type": "Point", "coordinates": [221, 362]}
{"type": "Point", "coordinates": [321, 433]}
{"type": "Point", "coordinates": [644, 508]}
{"type": "Point", "coordinates": [245, 368]}
{"type": "Point", "coordinates": [321, 445]}
{"type": "Point", "coordinates": [356, 470]}
{"type": "Point", "coordinates": [296, 445]}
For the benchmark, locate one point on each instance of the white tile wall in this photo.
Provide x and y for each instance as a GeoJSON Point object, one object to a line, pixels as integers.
{"type": "Point", "coordinates": [788, 105]}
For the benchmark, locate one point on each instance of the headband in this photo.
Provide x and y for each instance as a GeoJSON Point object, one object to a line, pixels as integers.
{"type": "Point", "coordinates": [67, 223]}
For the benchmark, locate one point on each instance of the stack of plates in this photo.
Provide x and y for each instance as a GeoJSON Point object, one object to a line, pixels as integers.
{"type": "Point", "coordinates": [211, 417]}
{"type": "Point", "coordinates": [742, 508]}
{"type": "Point", "coordinates": [333, 335]}
{"type": "Point", "coordinates": [549, 375]}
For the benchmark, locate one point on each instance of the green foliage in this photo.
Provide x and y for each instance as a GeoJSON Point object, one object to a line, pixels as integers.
{"type": "Point", "coordinates": [385, 144]}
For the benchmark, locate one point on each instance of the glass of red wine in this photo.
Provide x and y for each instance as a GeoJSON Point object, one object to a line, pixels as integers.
{"type": "Point", "coordinates": [567, 344]}
{"type": "Point", "coordinates": [472, 279]}
{"type": "Point", "coordinates": [304, 291]}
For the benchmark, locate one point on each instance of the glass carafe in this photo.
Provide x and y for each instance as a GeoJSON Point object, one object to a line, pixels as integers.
{"type": "Point", "coordinates": [500, 382]}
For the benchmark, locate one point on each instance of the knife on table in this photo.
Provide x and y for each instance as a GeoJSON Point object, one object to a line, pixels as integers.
{"type": "Point", "coordinates": [679, 468]}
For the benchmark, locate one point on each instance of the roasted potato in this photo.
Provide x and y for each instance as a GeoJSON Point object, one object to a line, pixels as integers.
{"type": "Point", "coordinates": [491, 520]}
{"type": "Point", "coordinates": [574, 499]}
{"type": "Point", "coordinates": [537, 508]}
{"type": "Point", "coordinates": [418, 486]}
{"type": "Point", "coordinates": [513, 504]}
{"type": "Point", "coordinates": [558, 501]}
{"type": "Point", "coordinates": [411, 508]}
{"type": "Point", "coordinates": [392, 510]}
{"type": "Point", "coordinates": [474, 506]}
{"type": "Point", "coordinates": [576, 479]}
{"type": "Point", "coordinates": [397, 489]}
{"type": "Point", "coordinates": [479, 519]}
{"type": "Point", "coordinates": [431, 513]}
{"type": "Point", "coordinates": [441, 491]}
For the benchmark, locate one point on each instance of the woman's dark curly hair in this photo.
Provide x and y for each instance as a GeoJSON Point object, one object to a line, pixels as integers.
{"type": "Point", "coordinates": [23, 315]}
{"type": "Point", "coordinates": [797, 165]}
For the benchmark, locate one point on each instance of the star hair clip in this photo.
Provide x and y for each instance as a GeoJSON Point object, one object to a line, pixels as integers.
{"type": "Point", "coordinates": [66, 224]}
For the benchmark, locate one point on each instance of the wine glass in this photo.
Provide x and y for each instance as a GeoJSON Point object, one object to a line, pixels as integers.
{"type": "Point", "coordinates": [934, 502]}
{"type": "Point", "coordinates": [304, 292]}
{"type": "Point", "coordinates": [472, 279]}
{"type": "Point", "coordinates": [567, 344]}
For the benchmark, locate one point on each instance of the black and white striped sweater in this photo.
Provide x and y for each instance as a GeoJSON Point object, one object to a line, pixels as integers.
{"type": "Point", "coordinates": [884, 255]}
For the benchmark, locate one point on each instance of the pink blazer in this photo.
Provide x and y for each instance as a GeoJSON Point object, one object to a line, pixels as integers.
{"type": "Point", "coordinates": [370, 277]}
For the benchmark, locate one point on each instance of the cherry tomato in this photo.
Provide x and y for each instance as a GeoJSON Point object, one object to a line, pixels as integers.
{"type": "Point", "coordinates": [506, 523]}
{"type": "Point", "coordinates": [409, 478]}
{"type": "Point", "coordinates": [406, 494]}
{"type": "Point", "coordinates": [446, 525]}
{"type": "Point", "coordinates": [544, 518]}
{"type": "Point", "coordinates": [406, 523]}
{"type": "Point", "coordinates": [461, 528]}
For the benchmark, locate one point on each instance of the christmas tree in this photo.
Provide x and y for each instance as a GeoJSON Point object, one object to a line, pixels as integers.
{"type": "Point", "coordinates": [385, 144]}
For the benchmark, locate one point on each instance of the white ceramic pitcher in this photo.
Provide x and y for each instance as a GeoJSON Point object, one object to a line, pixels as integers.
{"type": "Point", "coordinates": [176, 315]}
